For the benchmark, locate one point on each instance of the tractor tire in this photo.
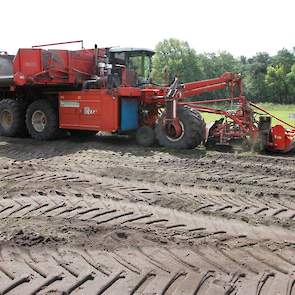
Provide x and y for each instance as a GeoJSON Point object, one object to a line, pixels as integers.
{"type": "Point", "coordinates": [12, 118]}
{"type": "Point", "coordinates": [42, 120]}
{"type": "Point", "coordinates": [145, 136]}
{"type": "Point", "coordinates": [82, 133]}
{"type": "Point", "coordinates": [193, 130]}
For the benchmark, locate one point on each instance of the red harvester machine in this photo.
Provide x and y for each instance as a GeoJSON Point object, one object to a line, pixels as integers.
{"type": "Point", "coordinates": [47, 93]}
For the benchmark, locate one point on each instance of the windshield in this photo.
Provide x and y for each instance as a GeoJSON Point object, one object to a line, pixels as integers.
{"type": "Point", "coordinates": [140, 63]}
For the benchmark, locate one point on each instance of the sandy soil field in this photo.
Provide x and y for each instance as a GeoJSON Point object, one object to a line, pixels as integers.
{"type": "Point", "coordinates": [104, 216]}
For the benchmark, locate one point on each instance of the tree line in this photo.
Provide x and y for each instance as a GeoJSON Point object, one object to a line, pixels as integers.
{"type": "Point", "coordinates": [266, 78]}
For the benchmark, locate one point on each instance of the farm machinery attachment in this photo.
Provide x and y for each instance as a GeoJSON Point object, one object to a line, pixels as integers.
{"type": "Point", "coordinates": [242, 122]}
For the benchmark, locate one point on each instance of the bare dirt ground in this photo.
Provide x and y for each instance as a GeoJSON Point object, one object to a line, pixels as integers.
{"type": "Point", "coordinates": [104, 216]}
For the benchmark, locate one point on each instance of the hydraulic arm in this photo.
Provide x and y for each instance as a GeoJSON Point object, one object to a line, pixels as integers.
{"type": "Point", "coordinates": [231, 80]}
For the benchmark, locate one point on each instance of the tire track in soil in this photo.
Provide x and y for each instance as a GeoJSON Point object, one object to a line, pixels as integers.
{"type": "Point", "coordinates": [199, 200]}
{"type": "Point", "coordinates": [109, 218]}
{"type": "Point", "coordinates": [147, 267]}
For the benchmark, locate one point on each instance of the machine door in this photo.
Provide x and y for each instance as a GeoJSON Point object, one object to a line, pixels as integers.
{"type": "Point", "coordinates": [89, 110]}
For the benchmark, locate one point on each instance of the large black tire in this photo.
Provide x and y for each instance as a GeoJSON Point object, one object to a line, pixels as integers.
{"type": "Point", "coordinates": [42, 120]}
{"type": "Point", "coordinates": [145, 136]}
{"type": "Point", "coordinates": [193, 130]}
{"type": "Point", "coordinates": [12, 118]}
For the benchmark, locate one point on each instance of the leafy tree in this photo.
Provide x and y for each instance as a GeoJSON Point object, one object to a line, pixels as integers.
{"type": "Point", "coordinates": [266, 78]}
{"type": "Point", "coordinates": [254, 72]}
{"type": "Point", "coordinates": [276, 79]}
{"type": "Point", "coordinates": [216, 64]}
{"type": "Point", "coordinates": [254, 88]}
{"type": "Point", "coordinates": [291, 83]}
{"type": "Point", "coordinates": [259, 63]}
{"type": "Point", "coordinates": [178, 59]}
{"type": "Point", "coordinates": [243, 60]}
{"type": "Point", "coordinates": [284, 58]}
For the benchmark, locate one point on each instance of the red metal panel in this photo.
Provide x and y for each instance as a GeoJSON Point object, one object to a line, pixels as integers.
{"type": "Point", "coordinates": [89, 110]}
{"type": "Point", "coordinates": [55, 67]}
{"type": "Point", "coordinates": [129, 91]}
{"type": "Point", "coordinates": [83, 60]}
{"type": "Point", "coordinates": [282, 140]}
{"type": "Point", "coordinates": [28, 61]}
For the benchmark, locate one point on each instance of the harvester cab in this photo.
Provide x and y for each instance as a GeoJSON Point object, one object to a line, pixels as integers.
{"type": "Point", "coordinates": [130, 66]}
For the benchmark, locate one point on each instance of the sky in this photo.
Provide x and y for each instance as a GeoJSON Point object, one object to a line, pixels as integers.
{"type": "Point", "coordinates": [238, 26]}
